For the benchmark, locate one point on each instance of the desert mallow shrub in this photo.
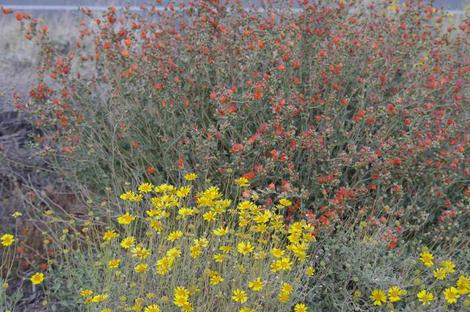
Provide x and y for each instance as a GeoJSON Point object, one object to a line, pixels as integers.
{"type": "Point", "coordinates": [355, 110]}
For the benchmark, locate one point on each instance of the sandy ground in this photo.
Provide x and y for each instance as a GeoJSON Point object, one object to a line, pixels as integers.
{"type": "Point", "coordinates": [18, 56]}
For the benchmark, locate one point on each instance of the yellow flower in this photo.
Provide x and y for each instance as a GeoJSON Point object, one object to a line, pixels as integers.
{"type": "Point", "coordinates": [175, 235]}
{"type": "Point", "coordinates": [239, 295]}
{"type": "Point", "coordinates": [106, 310]}
{"type": "Point", "coordinates": [145, 188]}
{"type": "Point", "coordinates": [125, 218]}
{"type": "Point", "coordinates": [156, 225]}
{"type": "Point", "coordinates": [140, 252]}
{"type": "Point", "coordinates": [378, 297]}
{"type": "Point", "coordinates": [16, 214]}
{"type": "Point", "coordinates": [277, 252]}
{"type": "Point", "coordinates": [164, 265]}
{"type": "Point", "coordinates": [190, 176]}
{"type": "Point", "coordinates": [463, 284]}
{"type": "Point", "coordinates": [281, 264]}
{"type": "Point", "coordinates": [395, 293]}
{"type": "Point", "coordinates": [173, 253]}
{"type": "Point", "coordinates": [299, 250]}
{"type": "Point", "coordinates": [186, 212]}
{"type": "Point", "coordinates": [127, 195]}
{"type": "Point", "coordinates": [440, 274]}
{"type": "Point", "coordinates": [165, 188]}
{"type": "Point", "coordinates": [109, 235]}
{"type": "Point", "coordinates": [226, 248]}
{"type": "Point", "coordinates": [300, 307]}
{"type": "Point", "coordinates": [216, 279]}
{"type": "Point", "coordinates": [221, 231]}
{"type": "Point", "coordinates": [310, 271]}
{"type": "Point", "coordinates": [128, 242]}
{"type": "Point", "coordinates": [202, 242]}
{"type": "Point", "coordinates": [86, 292]}
{"type": "Point", "coordinates": [245, 248]}
{"type": "Point", "coordinates": [183, 191]}
{"type": "Point", "coordinates": [131, 196]}
{"type": "Point", "coordinates": [426, 258]}
{"type": "Point", "coordinates": [284, 293]}
{"type": "Point", "coordinates": [263, 217]}
{"type": "Point", "coordinates": [245, 309]}
{"type": "Point", "coordinates": [141, 268]}
{"type": "Point", "coordinates": [7, 240]}
{"type": "Point", "coordinates": [285, 202]}
{"type": "Point", "coordinates": [286, 288]}
{"type": "Point", "coordinates": [247, 205]}
{"type": "Point", "coordinates": [218, 258]}
{"type": "Point", "coordinates": [114, 263]}
{"type": "Point", "coordinates": [256, 285]}
{"type": "Point", "coordinates": [196, 251]}
{"type": "Point", "coordinates": [425, 297]}
{"type": "Point", "coordinates": [199, 245]}
{"type": "Point", "coordinates": [152, 308]}
{"type": "Point", "coordinates": [243, 182]}
{"type": "Point", "coordinates": [37, 278]}
{"type": "Point", "coordinates": [448, 266]}
{"type": "Point", "coordinates": [99, 298]}
{"type": "Point", "coordinates": [209, 216]}
{"type": "Point", "coordinates": [181, 296]}
{"type": "Point", "coordinates": [451, 295]}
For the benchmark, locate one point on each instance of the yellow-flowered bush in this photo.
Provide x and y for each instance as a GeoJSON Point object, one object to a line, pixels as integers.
{"type": "Point", "coordinates": [174, 249]}
{"type": "Point", "coordinates": [437, 285]}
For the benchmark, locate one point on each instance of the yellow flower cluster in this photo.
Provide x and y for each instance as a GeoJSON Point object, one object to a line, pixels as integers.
{"type": "Point", "coordinates": [181, 298]}
{"type": "Point", "coordinates": [450, 294]}
{"type": "Point", "coordinates": [199, 248]}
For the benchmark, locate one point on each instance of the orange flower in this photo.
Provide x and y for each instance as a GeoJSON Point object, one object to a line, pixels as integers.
{"type": "Point", "coordinates": [7, 10]}
{"type": "Point", "coordinates": [359, 115]}
{"type": "Point", "coordinates": [180, 162]}
{"type": "Point", "coordinates": [20, 16]}
{"type": "Point", "coordinates": [236, 148]}
{"type": "Point", "coordinates": [322, 54]}
{"type": "Point", "coordinates": [391, 108]}
{"type": "Point", "coordinates": [296, 64]}
{"type": "Point", "coordinates": [249, 175]}
{"type": "Point", "coordinates": [151, 170]}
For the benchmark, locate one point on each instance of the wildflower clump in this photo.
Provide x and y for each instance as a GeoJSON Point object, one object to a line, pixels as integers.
{"type": "Point", "coordinates": [438, 287]}
{"type": "Point", "coordinates": [202, 250]}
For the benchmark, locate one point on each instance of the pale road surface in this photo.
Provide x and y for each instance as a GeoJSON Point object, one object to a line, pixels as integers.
{"type": "Point", "coordinates": [452, 5]}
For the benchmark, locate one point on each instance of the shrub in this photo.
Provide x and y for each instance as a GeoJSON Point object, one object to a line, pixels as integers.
{"type": "Point", "coordinates": [355, 110]}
